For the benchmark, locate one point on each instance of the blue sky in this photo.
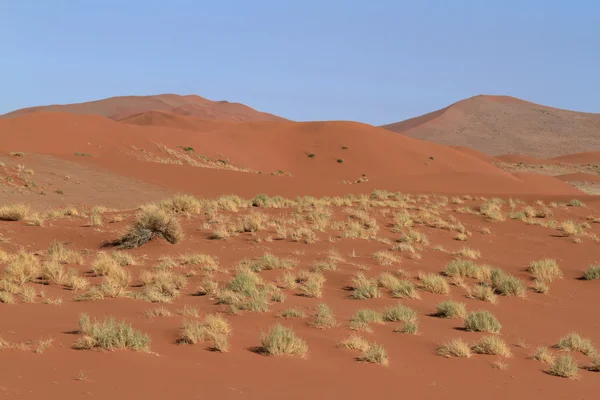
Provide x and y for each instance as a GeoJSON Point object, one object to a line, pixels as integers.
{"type": "Point", "coordinates": [374, 61]}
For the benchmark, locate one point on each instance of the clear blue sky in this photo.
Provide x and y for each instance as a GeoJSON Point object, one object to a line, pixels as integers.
{"type": "Point", "coordinates": [375, 61]}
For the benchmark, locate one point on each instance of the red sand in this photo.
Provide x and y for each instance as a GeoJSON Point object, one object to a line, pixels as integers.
{"type": "Point", "coordinates": [497, 125]}
{"type": "Point", "coordinates": [390, 161]}
{"type": "Point", "coordinates": [579, 177]}
{"type": "Point", "coordinates": [590, 157]}
{"type": "Point", "coordinates": [125, 106]}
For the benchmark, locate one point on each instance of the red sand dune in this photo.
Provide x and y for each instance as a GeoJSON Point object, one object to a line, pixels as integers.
{"type": "Point", "coordinates": [590, 157]}
{"type": "Point", "coordinates": [579, 177]}
{"type": "Point", "coordinates": [498, 125]}
{"type": "Point", "coordinates": [519, 158]}
{"type": "Point", "coordinates": [390, 161]}
{"type": "Point", "coordinates": [125, 106]}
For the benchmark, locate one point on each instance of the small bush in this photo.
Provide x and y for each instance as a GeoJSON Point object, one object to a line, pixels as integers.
{"type": "Point", "coordinates": [408, 328]}
{"type": "Point", "coordinates": [434, 283]}
{"type": "Point", "coordinates": [313, 285]}
{"type": "Point", "coordinates": [385, 258]}
{"type": "Point", "coordinates": [492, 345]}
{"type": "Point", "coordinates": [564, 366]}
{"type": "Point", "coordinates": [592, 273]}
{"type": "Point", "coordinates": [355, 342]}
{"type": "Point", "coordinates": [545, 270]}
{"type": "Point", "coordinates": [364, 288]}
{"type": "Point", "coordinates": [543, 354]}
{"type": "Point", "coordinates": [323, 318]}
{"type": "Point", "coordinates": [110, 335]}
{"type": "Point", "coordinates": [282, 341]}
{"type": "Point", "coordinates": [339, 160]}
{"type": "Point", "coordinates": [462, 268]}
{"type": "Point", "coordinates": [483, 293]}
{"type": "Point", "coordinates": [574, 342]}
{"type": "Point", "coordinates": [467, 252]}
{"type": "Point", "coordinates": [214, 329]}
{"type": "Point", "coordinates": [454, 348]}
{"type": "Point", "coordinates": [16, 212]}
{"type": "Point", "coordinates": [482, 321]}
{"type": "Point", "coordinates": [150, 223]}
{"type": "Point", "coordinates": [506, 284]}
{"type": "Point", "coordinates": [399, 312]}
{"type": "Point", "coordinates": [291, 313]}
{"type": "Point", "coordinates": [451, 309]}
{"type": "Point", "coordinates": [362, 318]}
{"type": "Point", "coordinates": [59, 253]}
{"type": "Point", "coordinates": [375, 354]}
{"type": "Point", "coordinates": [405, 289]}
{"type": "Point", "coordinates": [575, 203]}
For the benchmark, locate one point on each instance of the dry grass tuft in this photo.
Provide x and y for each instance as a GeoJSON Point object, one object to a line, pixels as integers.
{"type": "Point", "coordinates": [109, 335]}
{"type": "Point", "coordinates": [364, 288]}
{"type": "Point", "coordinates": [362, 318]}
{"type": "Point", "coordinates": [543, 354]}
{"type": "Point", "coordinates": [375, 354]}
{"type": "Point", "coordinates": [15, 212]}
{"type": "Point", "coordinates": [150, 223]}
{"type": "Point", "coordinates": [564, 366]}
{"type": "Point", "coordinates": [592, 273]}
{"type": "Point", "coordinates": [282, 341]}
{"type": "Point", "coordinates": [451, 309]}
{"type": "Point", "coordinates": [482, 321]}
{"type": "Point", "coordinates": [434, 283]}
{"type": "Point", "coordinates": [483, 293]}
{"type": "Point", "coordinates": [323, 318]}
{"type": "Point", "coordinates": [545, 270]}
{"type": "Point", "coordinates": [492, 345]}
{"type": "Point", "coordinates": [355, 342]}
{"type": "Point", "coordinates": [454, 348]}
{"type": "Point", "coordinates": [574, 342]}
{"type": "Point", "coordinates": [214, 329]}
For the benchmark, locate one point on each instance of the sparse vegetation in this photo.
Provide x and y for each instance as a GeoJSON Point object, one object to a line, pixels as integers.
{"type": "Point", "coordinates": [150, 223]}
{"type": "Point", "coordinates": [214, 329]}
{"type": "Point", "coordinates": [506, 284]}
{"type": "Point", "coordinates": [375, 354]}
{"type": "Point", "coordinates": [323, 318]}
{"type": "Point", "coordinates": [15, 212]}
{"type": "Point", "coordinates": [109, 334]}
{"type": "Point", "coordinates": [545, 270]}
{"type": "Point", "coordinates": [291, 313]}
{"type": "Point", "coordinates": [282, 341]}
{"type": "Point", "coordinates": [592, 273]}
{"type": "Point", "coordinates": [454, 348]}
{"type": "Point", "coordinates": [492, 345]}
{"type": "Point", "coordinates": [543, 354]}
{"type": "Point", "coordinates": [451, 309]}
{"type": "Point", "coordinates": [434, 283]}
{"type": "Point", "coordinates": [564, 366]}
{"type": "Point", "coordinates": [363, 317]}
{"type": "Point", "coordinates": [399, 313]}
{"type": "Point", "coordinates": [574, 342]}
{"type": "Point", "coordinates": [482, 321]}
{"type": "Point", "coordinates": [364, 288]}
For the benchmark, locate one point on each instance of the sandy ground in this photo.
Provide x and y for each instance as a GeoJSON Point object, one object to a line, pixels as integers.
{"type": "Point", "coordinates": [123, 165]}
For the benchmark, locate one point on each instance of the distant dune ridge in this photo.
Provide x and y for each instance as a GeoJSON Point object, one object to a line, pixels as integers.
{"type": "Point", "coordinates": [497, 125]}
{"type": "Point", "coordinates": [121, 107]}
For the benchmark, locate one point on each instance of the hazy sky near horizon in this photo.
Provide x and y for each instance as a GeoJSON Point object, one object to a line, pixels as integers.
{"type": "Point", "coordinates": [374, 61]}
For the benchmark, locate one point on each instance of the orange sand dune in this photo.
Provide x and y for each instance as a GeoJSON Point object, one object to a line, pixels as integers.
{"type": "Point", "coordinates": [498, 125]}
{"type": "Point", "coordinates": [579, 177]}
{"type": "Point", "coordinates": [124, 106]}
{"type": "Point", "coordinates": [590, 157]}
{"type": "Point", "coordinates": [519, 158]}
{"type": "Point", "coordinates": [389, 161]}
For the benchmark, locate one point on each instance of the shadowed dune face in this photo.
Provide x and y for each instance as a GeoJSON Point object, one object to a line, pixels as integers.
{"type": "Point", "coordinates": [498, 125]}
{"type": "Point", "coordinates": [125, 106]}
